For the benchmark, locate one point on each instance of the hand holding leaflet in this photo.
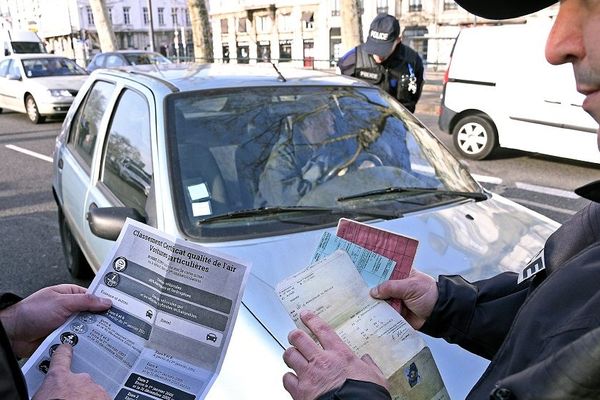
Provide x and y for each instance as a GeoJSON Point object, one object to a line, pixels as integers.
{"type": "Point", "coordinates": [174, 305]}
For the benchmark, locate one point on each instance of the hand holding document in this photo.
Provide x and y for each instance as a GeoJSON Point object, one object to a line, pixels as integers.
{"type": "Point", "coordinates": [334, 289]}
{"type": "Point", "coordinates": [166, 335]}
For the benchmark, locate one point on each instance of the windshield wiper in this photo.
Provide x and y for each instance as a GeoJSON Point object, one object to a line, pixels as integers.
{"type": "Point", "coordinates": [253, 212]}
{"type": "Point", "coordinates": [478, 196]}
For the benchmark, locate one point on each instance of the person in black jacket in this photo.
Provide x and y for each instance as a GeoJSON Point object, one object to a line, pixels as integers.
{"type": "Point", "coordinates": [540, 328]}
{"type": "Point", "coordinates": [383, 60]}
{"type": "Point", "coordinates": [24, 324]}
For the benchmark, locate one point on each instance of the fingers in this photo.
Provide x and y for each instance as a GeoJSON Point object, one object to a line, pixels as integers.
{"type": "Point", "coordinates": [61, 359]}
{"type": "Point", "coordinates": [290, 383]}
{"type": "Point", "coordinates": [307, 347]}
{"type": "Point", "coordinates": [67, 288]}
{"type": "Point", "coordinates": [294, 359]}
{"type": "Point", "coordinates": [324, 333]}
{"type": "Point", "coordinates": [86, 302]}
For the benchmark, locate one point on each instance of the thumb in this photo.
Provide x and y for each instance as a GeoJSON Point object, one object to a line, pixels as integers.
{"type": "Point", "coordinates": [390, 289]}
{"type": "Point", "coordinates": [368, 360]}
{"type": "Point", "coordinates": [61, 359]}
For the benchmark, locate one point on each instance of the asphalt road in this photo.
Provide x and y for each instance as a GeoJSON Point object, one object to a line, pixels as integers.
{"type": "Point", "coordinates": [31, 250]}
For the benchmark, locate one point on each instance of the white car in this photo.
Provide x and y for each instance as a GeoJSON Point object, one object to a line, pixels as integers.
{"type": "Point", "coordinates": [39, 84]}
{"type": "Point", "coordinates": [208, 137]}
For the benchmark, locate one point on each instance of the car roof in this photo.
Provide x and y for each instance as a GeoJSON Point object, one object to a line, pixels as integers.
{"type": "Point", "coordinates": [35, 55]}
{"type": "Point", "coordinates": [191, 76]}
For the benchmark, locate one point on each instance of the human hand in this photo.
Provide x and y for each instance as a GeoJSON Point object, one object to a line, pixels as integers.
{"type": "Point", "coordinates": [318, 370]}
{"type": "Point", "coordinates": [418, 293]}
{"type": "Point", "coordinates": [61, 383]}
{"type": "Point", "coordinates": [28, 322]}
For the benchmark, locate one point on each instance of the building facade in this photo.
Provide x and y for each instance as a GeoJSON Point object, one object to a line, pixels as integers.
{"type": "Point", "coordinates": [301, 32]}
{"type": "Point", "coordinates": [308, 32]}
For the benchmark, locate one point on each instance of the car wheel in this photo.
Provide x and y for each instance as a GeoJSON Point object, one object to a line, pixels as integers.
{"type": "Point", "coordinates": [475, 137]}
{"type": "Point", "coordinates": [32, 110]}
{"type": "Point", "coordinates": [74, 258]}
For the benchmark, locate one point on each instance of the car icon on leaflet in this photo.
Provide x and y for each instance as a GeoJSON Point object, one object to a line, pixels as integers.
{"type": "Point", "coordinates": [212, 337]}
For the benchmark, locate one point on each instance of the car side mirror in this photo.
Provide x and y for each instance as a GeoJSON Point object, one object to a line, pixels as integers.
{"type": "Point", "coordinates": [107, 222]}
{"type": "Point", "coordinates": [6, 52]}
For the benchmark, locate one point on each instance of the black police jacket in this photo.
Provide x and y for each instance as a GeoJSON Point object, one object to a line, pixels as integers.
{"type": "Point", "coordinates": [401, 74]}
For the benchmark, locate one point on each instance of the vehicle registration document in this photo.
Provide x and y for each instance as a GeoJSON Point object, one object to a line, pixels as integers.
{"type": "Point", "coordinates": [167, 332]}
{"type": "Point", "coordinates": [334, 287]}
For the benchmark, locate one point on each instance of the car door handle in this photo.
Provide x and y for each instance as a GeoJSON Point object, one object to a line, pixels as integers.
{"type": "Point", "coordinates": [60, 163]}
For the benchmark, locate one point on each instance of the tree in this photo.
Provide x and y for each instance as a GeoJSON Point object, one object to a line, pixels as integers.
{"type": "Point", "coordinates": [108, 42]}
{"type": "Point", "coordinates": [351, 24]}
{"type": "Point", "coordinates": [201, 31]}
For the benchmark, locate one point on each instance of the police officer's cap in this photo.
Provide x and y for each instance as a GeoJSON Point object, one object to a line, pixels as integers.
{"type": "Point", "coordinates": [503, 9]}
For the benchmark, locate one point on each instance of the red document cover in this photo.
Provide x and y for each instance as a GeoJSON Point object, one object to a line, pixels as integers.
{"type": "Point", "coordinates": [396, 247]}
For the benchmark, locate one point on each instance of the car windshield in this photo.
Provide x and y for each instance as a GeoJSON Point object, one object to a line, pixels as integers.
{"type": "Point", "coordinates": [261, 161]}
{"type": "Point", "coordinates": [39, 67]}
{"type": "Point", "coordinates": [146, 58]}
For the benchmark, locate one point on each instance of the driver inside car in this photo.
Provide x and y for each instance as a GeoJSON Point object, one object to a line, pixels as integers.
{"type": "Point", "coordinates": [321, 146]}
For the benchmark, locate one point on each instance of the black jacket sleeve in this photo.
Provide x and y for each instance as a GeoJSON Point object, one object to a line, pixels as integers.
{"type": "Point", "coordinates": [357, 390]}
{"type": "Point", "coordinates": [347, 63]}
{"type": "Point", "coordinates": [476, 316]}
{"type": "Point", "coordinates": [12, 383]}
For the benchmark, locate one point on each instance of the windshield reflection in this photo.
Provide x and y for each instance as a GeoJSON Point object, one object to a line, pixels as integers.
{"type": "Point", "coordinates": [257, 148]}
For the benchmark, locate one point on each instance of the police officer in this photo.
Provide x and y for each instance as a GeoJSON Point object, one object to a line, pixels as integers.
{"type": "Point", "coordinates": [384, 61]}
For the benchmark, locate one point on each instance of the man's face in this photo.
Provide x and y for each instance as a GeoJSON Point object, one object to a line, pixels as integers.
{"type": "Point", "coordinates": [575, 38]}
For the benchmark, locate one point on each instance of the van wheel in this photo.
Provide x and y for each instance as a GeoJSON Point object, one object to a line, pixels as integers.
{"type": "Point", "coordinates": [475, 137]}
{"type": "Point", "coordinates": [32, 110]}
{"type": "Point", "coordinates": [74, 258]}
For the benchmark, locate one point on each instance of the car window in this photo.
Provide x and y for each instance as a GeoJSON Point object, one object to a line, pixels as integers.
{"type": "Point", "coordinates": [13, 69]}
{"type": "Point", "coordinates": [4, 67]}
{"type": "Point", "coordinates": [146, 58]}
{"type": "Point", "coordinates": [54, 66]}
{"type": "Point", "coordinates": [114, 60]}
{"type": "Point", "coordinates": [127, 160]}
{"type": "Point", "coordinates": [86, 122]}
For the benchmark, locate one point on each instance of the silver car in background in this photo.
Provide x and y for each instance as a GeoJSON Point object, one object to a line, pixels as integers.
{"type": "Point", "coordinates": [189, 150]}
{"type": "Point", "coordinates": [40, 85]}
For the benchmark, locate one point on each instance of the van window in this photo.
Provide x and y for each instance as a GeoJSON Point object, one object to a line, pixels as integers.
{"type": "Point", "coordinates": [4, 67]}
{"type": "Point", "coordinates": [127, 160]}
{"type": "Point", "coordinates": [27, 47]}
{"type": "Point", "coordinates": [86, 123]}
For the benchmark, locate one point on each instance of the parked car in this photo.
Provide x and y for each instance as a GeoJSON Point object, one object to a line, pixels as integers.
{"type": "Point", "coordinates": [501, 92]}
{"type": "Point", "coordinates": [122, 58]}
{"type": "Point", "coordinates": [40, 85]}
{"type": "Point", "coordinates": [206, 137]}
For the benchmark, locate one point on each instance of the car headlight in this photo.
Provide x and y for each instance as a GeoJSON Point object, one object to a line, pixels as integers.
{"type": "Point", "coordinates": [59, 93]}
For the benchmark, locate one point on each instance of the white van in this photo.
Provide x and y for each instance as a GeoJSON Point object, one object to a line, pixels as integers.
{"type": "Point", "coordinates": [500, 91]}
{"type": "Point", "coordinates": [20, 42]}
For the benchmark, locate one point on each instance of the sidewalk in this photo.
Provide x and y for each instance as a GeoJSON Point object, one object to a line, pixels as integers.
{"type": "Point", "coordinates": [430, 97]}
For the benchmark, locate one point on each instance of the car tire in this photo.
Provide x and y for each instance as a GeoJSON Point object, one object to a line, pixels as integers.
{"type": "Point", "coordinates": [475, 137]}
{"type": "Point", "coordinates": [32, 110]}
{"type": "Point", "coordinates": [74, 258]}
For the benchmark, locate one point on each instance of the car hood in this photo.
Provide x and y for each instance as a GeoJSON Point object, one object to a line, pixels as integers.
{"type": "Point", "coordinates": [58, 82]}
{"type": "Point", "coordinates": [473, 239]}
